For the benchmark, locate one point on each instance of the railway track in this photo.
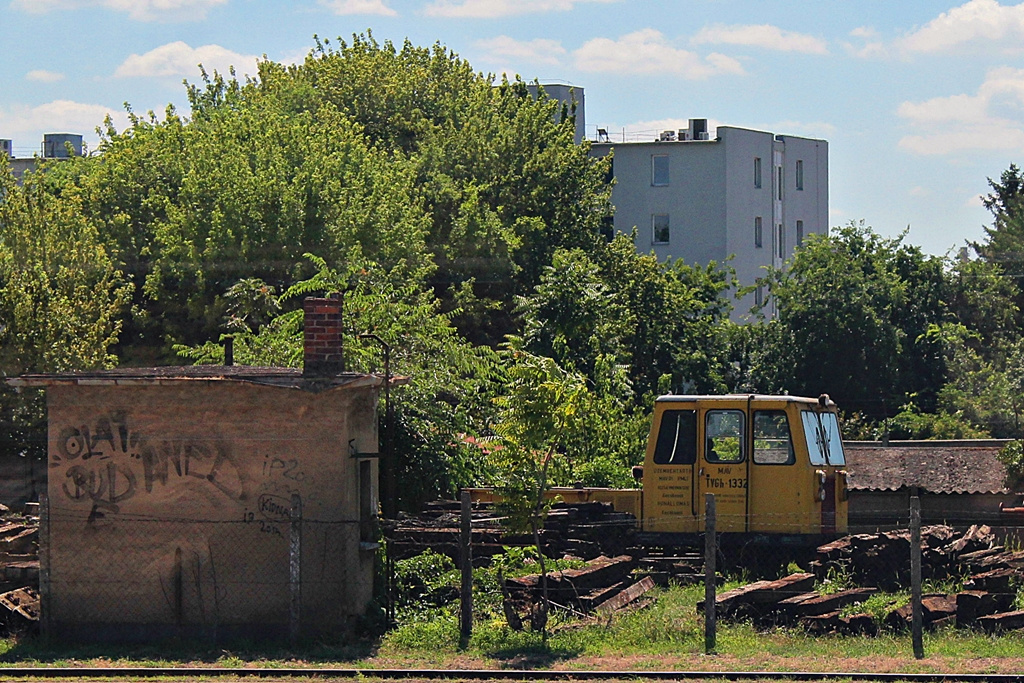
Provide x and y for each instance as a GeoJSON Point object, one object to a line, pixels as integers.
{"type": "Point", "coordinates": [191, 673]}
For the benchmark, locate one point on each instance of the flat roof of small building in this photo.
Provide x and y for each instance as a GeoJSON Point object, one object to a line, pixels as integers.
{"type": "Point", "coordinates": [270, 376]}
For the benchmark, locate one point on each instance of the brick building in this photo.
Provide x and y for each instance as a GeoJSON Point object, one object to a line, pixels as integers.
{"type": "Point", "coordinates": [207, 501]}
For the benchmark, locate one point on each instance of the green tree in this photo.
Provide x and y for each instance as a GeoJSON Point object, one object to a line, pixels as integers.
{"type": "Point", "coordinates": [854, 310]}
{"type": "Point", "coordinates": [541, 411]}
{"type": "Point", "coordinates": [633, 327]}
{"type": "Point", "coordinates": [666, 323]}
{"type": "Point", "coordinates": [1004, 239]}
{"type": "Point", "coordinates": [407, 153]}
{"type": "Point", "coordinates": [449, 381]}
{"type": "Point", "coordinates": [497, 169]}
{"type": "Point", "coordinates": [241, 190]}
{"type": "Point", "coordinates": [61, 297]}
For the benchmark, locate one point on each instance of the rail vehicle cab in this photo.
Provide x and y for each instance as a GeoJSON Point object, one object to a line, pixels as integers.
{"type": "Point", "coordinates": [775, 464]}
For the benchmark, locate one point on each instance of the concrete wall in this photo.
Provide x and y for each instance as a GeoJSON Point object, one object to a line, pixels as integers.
{"type": "Point", "coordinates": [694, 198]}
{"type": "Point", "coordinates": [872, 510]}
{"type": "Point", "coordinates": [568, 95]}
{"type": "Point", "coordinates": [168, 509]}
{"type": "Point", "coordinates": [712, 200]}
{"type": "Point", "coordinates": [746, 203]}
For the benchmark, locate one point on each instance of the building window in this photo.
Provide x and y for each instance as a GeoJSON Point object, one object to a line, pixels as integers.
{"type": "Point", "coordinates": [759, 296]}
{"type": "Point", "coordinates": [659, 225]}
{"type": "Point", "coordinates": [758, 239]}
{"type": "Point", "coordinates": [659, 170]}
{"type": "Point", "coordinates": [799, 174]}
{"type": "Point", "coordinates": [780, 183]}
{"type": "Point", "coordinates": [757, 172]}
{"type": "Point", "coordinates": [799, 233]}
{"type": "Point", "coordinates": [782, 241]}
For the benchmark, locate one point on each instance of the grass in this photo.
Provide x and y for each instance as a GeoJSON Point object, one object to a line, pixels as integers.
{"type": "Point", "coordinates": [666, 635]}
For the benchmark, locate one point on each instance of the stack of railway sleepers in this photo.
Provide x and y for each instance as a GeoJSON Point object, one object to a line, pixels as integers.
{"type": "Point", "coordinates": [882, 559]}
{"type": "Point", "coordinates": [604, 584]}
{"type": "Point", "coordinates": [19, 570]}
{"type": "Point", "coordinates": [874, 562]}
{"type": "Point", "coordinates": [583, 530]}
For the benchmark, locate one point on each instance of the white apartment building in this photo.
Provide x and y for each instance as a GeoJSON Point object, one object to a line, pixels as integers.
{"type": "Point", "coordinates": [748, 194]}
{"type": "Point", "coordinates": [698, 196]}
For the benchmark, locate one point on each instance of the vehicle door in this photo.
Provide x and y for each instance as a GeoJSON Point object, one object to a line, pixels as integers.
{"type": "Point", "coordinates": [825, 451]}
{"type": "Point", "coordinates": [722, 464]}
{"type": "Point", "coordinates": [669, 471]}
{"type": "Point", "coordinates": [780, 490]}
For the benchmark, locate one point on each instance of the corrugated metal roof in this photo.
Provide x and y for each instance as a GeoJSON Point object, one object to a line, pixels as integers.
{"type": "Point", "coordinates": [967, 466]}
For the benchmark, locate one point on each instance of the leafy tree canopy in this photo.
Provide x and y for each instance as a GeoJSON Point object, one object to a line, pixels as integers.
{"type": "Point", "coordinates": [61, 298]}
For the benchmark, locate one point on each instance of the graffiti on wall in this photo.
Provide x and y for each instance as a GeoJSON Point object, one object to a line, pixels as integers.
{"type": "Point", "coordinates": [279, 495]}
{"type": "Point", "coordinates": [107, 462]}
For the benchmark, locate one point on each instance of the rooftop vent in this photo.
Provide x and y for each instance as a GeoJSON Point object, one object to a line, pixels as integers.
{"type": "Point", "coordinates": [699, 129]}
{"type": "Point", "coordinates": [55, 145]}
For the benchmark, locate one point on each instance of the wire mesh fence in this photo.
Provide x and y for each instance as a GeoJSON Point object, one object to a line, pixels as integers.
{"type": "Point", "coordinates": [124, 577]}
{"type": "Point", "coordinates": [967, 576]}
{"type": "Point", "coordinates": [128, 577]}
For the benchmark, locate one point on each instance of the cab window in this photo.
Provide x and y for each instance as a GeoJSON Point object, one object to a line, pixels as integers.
{"type": "Point", "coordinates": [772, 442]}
{"type": "Point", "coordinates": [824, 443]}
{"type": "Point", "coordinates": [677, 438]}
{"type": "Point", "coordinates": [723, 431]}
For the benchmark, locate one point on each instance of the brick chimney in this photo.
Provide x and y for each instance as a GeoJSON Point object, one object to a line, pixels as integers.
{"type": "Point", "coordinates": [322, 337]}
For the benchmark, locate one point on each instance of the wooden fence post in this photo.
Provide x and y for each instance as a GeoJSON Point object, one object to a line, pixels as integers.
{"type": "Point", "coordinates": [915, 576]}
{"type": "Point", "coordinates": [467, 566]}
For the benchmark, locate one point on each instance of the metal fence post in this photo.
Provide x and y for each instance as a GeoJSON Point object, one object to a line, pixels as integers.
{"type": "Point", "coordinates": [295, 568]}
{"type": "Point", "coordinates": [44, 565]}
{"type": "Point", "coordinates": [710, 555]}
{"type": "Point", "coordinates": [915, 576]}
{"type": "Point", "coordinates": [467, 566]}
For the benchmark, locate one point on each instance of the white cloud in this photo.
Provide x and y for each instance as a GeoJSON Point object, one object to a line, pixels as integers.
{"type": "Point", "coordinates": [180, 59]}
{"type": "Point", "coordinates": [987, 120]}
{"type": "Point", "coordinates": [869, 43]}
{"type": "Point", "coordinates": [378, 7]}
{"type": "Point", "coordinates": [865, 32]}
{"type": "Point", "coordinates": [493, 9]}
{"type": "Point", "coordinates": [761, 35]}
{"type": "Point", "coordinates": [647, 51]}
{"type": "Point", "coordinates": [919, 191]}
{"type": "Point", "coordinates": [974, 202]}
{"type": "Point", "coordinates": [537, 51]}
{"type": "Point", "coordinates": [977, 21]}
{"type": "Point", "coordinates": [140, 10]}
{"type": "Point", "coordinates": [44, 76]}
{"type": "Point", "coordinates": [27, 124]}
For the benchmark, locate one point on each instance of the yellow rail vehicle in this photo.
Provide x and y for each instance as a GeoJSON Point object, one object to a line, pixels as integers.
{"type": "Point", "coordinates": [774, 463]}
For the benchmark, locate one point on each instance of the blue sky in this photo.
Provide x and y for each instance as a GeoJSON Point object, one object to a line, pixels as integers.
{"type": "Point", "coordinates": [920, 101]}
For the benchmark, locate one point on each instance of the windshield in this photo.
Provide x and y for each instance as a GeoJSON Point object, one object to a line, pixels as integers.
{"type": "Point", "coordinates": [824, 444]}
